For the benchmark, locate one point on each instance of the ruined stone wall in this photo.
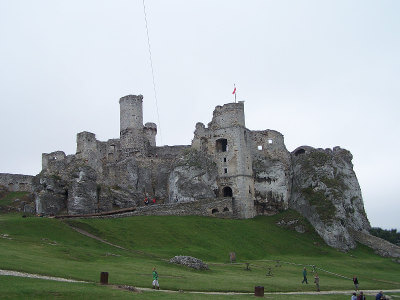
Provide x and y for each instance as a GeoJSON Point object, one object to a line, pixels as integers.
{"type": "Point", "coordinates": [109, 151]}
{"type": "Point", "coordinates": [206, 207]}
{"type": "Point", "coordinates": [272, 171]}
{"type": "Point", "coordinates": [150, 132]}
{"type": "Point", "coordinates": [16, 182]}
{"type": "Point", "coordinates": [51, 159]}
{"type": "Point", "coordinates": [169, 151]}
{"type": "Point", "coordinates": [228, 115]}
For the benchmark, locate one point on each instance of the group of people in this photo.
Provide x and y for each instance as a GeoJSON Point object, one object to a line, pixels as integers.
{"type": "Point", "coordinates": [316, 279]}
{"type": "Point", "coordinates": [146, 201]}
{"type": "Point", "coordinates": [360, 296]}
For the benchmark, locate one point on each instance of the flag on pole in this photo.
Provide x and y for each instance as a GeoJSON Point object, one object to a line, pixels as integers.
{"type": "Point", "coordinates": [234, 91]}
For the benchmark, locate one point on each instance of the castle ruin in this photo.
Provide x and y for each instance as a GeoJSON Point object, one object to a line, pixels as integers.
{"type": "Point", "coordinates": [227, 171]}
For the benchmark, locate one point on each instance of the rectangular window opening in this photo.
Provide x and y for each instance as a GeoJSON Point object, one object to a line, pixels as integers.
{"type": "Point", "coordinates": [259, 147]}
{"type": "Point", "coordinates": [225, 170]}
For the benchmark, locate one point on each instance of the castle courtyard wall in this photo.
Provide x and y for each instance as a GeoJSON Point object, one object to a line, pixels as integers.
{"type": "Point", "coordinates": [16, 182]}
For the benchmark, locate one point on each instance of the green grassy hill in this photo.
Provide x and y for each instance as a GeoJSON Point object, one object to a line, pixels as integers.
{"type": "Point", "coordinates": [51, 247]}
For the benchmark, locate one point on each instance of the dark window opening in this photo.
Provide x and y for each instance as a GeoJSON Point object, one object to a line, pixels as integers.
{"type": "Point", "coordinates": [225, 170]}
{"type": "Point", "coordinates": [227, 191]}
{"type": "Point", "coordinates": [215, 210]}
{"type": "Point", "coordinates": [222, 145]}
{"type": "Point", "coordinates": [226, 209]}
{"type": "Point", "coordinates": [300, 151]}
{"type": "Point", "coordinates": [224, 159]}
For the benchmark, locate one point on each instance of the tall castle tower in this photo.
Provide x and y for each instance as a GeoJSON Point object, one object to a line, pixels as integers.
{"type": "Point", "coordinates": [133, 135]}
{"type": "Point", "coordinates": [227, 140]}
{"type": "Point", "coordinates": [131, 124]}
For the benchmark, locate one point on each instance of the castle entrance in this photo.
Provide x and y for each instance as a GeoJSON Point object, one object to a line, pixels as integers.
{"type": "Point", "coordinates": [227, 191]}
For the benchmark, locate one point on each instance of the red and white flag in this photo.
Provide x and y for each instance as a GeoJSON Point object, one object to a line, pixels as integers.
{"type": "Point", "coordinates": [234, 91]}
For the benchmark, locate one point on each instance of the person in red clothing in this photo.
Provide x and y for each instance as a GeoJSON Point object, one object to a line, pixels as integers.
{"type": "Point", "coordinates": [154, 200]}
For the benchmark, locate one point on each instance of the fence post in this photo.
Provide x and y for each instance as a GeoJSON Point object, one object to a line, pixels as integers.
{"type": "Point", "coordinates": [104, 277]}
{"type": "Point", "coordinates": [259, 291]}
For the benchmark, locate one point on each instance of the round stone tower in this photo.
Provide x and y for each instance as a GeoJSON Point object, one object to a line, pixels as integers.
{"type": "Point", "coordinates": [131, 112]}
{"type": "Point", "coordinates": [131, 124]}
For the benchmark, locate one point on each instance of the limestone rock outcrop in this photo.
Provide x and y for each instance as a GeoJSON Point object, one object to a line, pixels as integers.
{"type": "Point", "coordinates": [326, 191]}
{"type": "Point", "coordinates": [82, 195]}
{"type": "Point", "coordinates": [193, 177]}
{"type": "Point", "coordinates": [190, 262]}
{"type": "Point", "coordinates": [50, 194]}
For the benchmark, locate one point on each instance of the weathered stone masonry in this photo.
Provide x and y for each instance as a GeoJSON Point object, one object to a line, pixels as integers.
{"type": "Point", "coordinates": [16, 182]}
{"type": "Point", "coordinates": [227, 171]}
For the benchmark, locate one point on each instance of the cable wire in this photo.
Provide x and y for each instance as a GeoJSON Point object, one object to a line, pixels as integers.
{"type": "Point", "coordinates": [152, 70]}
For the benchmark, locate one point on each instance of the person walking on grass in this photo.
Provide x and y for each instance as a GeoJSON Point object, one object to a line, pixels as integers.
{"type": "Point", "coordinates": [355, 281]}
{"type": "Point", "coordinates": [354, 297]}
{"type": "Point", "coordinates": [316, 281]}
{"type": "Point", "coordinates": [155, 280]}
{"type": "Point", "coordinates": [304, 276]}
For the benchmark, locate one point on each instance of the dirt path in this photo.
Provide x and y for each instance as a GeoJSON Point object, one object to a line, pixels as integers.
{"type": "Point", "coordinates": [28, 275]}
{"type": "Point", "coordinates": [140, 289]}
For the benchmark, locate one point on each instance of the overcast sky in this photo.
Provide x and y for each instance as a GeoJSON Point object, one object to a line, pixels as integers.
{"type": "Point", "coordinates": [323, 73]}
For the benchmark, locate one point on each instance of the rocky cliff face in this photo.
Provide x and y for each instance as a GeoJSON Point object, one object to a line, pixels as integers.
{"type": "Point", "coordinates": [51, 194]}
{"type": "Point", "coordinates": [272, 183]}
{"type": "Point", "coordinates": [325, 190]}
{"type": "Point", "coordinates": [82, 194]}
{"type": "Point", "coordinates": [193, 177]}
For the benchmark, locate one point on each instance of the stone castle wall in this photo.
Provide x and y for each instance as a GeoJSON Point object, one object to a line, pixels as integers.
{"type": "Point", "coordinates": [16, 182]}
{"type": "Point", "coordinates": [206, 208]}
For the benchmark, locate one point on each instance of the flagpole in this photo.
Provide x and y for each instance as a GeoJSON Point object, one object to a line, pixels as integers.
{"type": "Point", "coordinates": [234, 88]}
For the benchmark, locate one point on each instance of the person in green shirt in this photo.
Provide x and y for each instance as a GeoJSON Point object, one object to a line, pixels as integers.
{"type": "Point", "coordinates": [155, 279]}
{"type": "Point", "coordinates": [304, 276]}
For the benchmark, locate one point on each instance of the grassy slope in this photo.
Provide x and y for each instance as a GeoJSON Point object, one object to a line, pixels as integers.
{"type": "Point", "coordinates": [51, 247]}
{"type": "Point", "coordinates": [7, 199]}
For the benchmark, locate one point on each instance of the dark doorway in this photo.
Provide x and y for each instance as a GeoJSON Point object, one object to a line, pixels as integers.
{"type": "Point", "coordinates": [227, 191]}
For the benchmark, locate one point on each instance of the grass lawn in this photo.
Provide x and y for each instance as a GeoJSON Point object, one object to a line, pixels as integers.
{"type": "Point", "coordinates": [28, 288]}
{"type": "Point", "coordinates": [51, 247]}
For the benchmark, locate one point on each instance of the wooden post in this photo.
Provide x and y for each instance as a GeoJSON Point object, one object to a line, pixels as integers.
{"type": "Point", "coordinates": [259, 291]}
{"type": "Point", "coordinates": [104, 277]}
